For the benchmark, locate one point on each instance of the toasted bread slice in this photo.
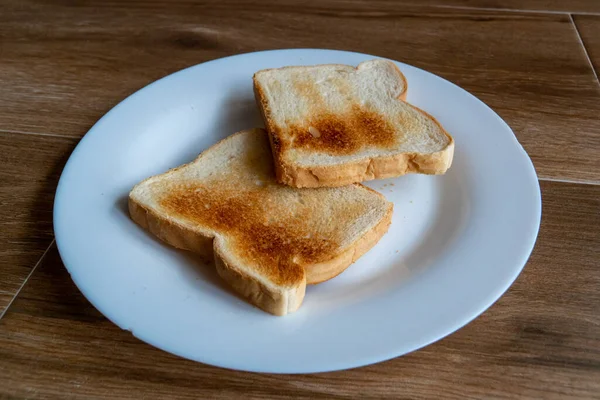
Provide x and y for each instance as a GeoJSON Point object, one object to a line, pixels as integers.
{"type": "Point", "coordinates": [268, 239]}
{"type": "Point", "coordinates": [331, 125]}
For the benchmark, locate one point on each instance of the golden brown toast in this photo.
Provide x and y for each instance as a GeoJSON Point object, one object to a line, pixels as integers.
{"type": "Point", "coordinates": [331, 125]}
{"type": "Point", "coordinates": [268, 240]}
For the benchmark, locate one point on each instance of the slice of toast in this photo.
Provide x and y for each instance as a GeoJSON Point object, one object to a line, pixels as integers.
{"type": "Point", "coordinates": [331, 125]}
{"type": "Point", "coordinates": [268, 240]}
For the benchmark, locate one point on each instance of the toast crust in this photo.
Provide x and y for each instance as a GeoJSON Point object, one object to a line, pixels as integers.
{"type": "Point", "coordinates": [330, 269]}
{"type": "Point", "coordinates": [277, 296]}
{"type": "Point", "coordinates": [358, 170]}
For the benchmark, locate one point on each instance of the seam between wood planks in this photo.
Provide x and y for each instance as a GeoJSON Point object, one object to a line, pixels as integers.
{"type": "Point", "coordinates": [27, 278]}
{"type": "Point", "coordinates": [39, 134]}
{"type": "Point", "coordinates": [581, 42]}
{"type": "Point", "coordinates": [560, 180]}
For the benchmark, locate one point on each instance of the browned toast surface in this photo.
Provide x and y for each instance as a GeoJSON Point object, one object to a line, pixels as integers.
{"type": "Point", "coordinates": [332, 125]}
{"type": "Point", "coordinates": [267, 235]}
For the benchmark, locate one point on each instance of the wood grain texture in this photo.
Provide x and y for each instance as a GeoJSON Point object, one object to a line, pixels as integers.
{"type": "Point", "coordinates": [541, 340]}
{"type": "Point", "coordinates": [571, 6]}
{"type": "Point", "coordinates": [589, 29]}
{"type": "Point", "coordinates": [29, 170]}
{"type": "Point", "coordinates": [64, 64]}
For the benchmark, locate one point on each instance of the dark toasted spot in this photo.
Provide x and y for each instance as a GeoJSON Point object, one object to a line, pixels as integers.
{"type": "Point", "coordinates": [244, 218]}
{"type": "Point", "coordinates": [344, 133]}
{"type": "Point", "coordinates": [275, 143]}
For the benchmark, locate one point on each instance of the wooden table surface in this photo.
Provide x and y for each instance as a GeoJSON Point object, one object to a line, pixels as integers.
{"type": "Point", "coordinates": [63, 64]}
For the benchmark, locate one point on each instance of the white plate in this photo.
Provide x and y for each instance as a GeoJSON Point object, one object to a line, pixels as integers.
{"type": "Point", "coordinates": [455, 245]}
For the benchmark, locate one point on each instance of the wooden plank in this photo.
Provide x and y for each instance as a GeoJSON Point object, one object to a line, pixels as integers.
{"type": "Point", "coordinates": [589, 29]}
{"type": "Point", "coordinates": [65, 64]}
{"type": "Point", "coordinates": [29, 170]}
{"type": "Point", "coordinates": [541, 340]}
{"type": "Point", "coordinates": [571, 6]}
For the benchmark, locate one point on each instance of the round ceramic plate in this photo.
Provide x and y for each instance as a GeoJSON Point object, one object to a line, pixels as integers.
{"type": "Point", "coordinates": [456, 242]}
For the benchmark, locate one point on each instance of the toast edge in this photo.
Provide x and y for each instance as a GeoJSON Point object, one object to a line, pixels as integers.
{"type": "Point", "coordinates": [277, 301]}
{"type": "Point", "coordinates": [366, 169]}
{"type": "Point", "coordinates": [274, 141]}
{"type": "Point", "coordinates": [169, 232]}
{"type": "Point", "coordinates": [321, 272]}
